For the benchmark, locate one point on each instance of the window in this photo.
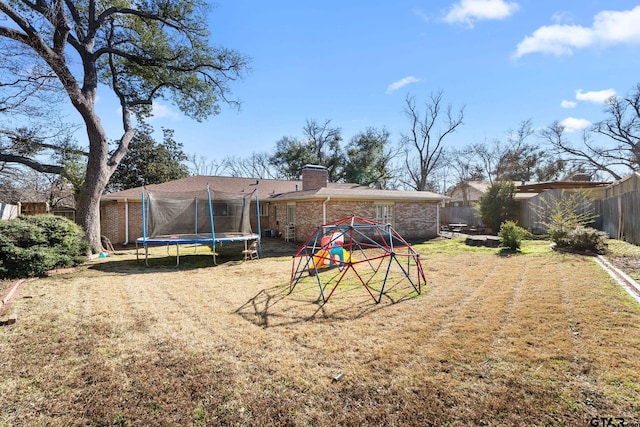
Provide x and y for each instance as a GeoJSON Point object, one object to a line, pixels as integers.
{"type": "Point", "coordinates": [226, 208]}
{"type": "Point", "coordinates": [384, 213]}
{"type": "Point", "coordinates": [291, 214]}
{"type": "Point", "coordinates": [264, 209]}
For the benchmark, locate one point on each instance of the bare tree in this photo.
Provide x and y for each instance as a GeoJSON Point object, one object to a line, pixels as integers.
{"type": "Point", "coordinates": [256, 165]}
{"type": "Point", "coordinates": [488, 156]}
{"type": "Point", "coordinates": [619, 152]}
{"type": "Point", "coordinates": [463, 165]}
{"type": "Point", "coordinates": [424, 144]}
{"type": "Point", "coordinates": [623, 126]}
{"type": "Point", "coordinates": [324, 143]}
{"type": "Point", "coordinates": [27, 87]}
{"type": "Point", "coordinates": [594, 157]}
{"type": "Point", "coordinates": [203, 166]}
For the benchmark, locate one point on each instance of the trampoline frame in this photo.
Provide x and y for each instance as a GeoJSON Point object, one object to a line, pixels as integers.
{"type": "Point", "coordinates": [190, 239]}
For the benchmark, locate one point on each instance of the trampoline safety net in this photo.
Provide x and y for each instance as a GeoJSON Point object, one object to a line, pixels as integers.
{"type": "Point", "coordinates": [197, 212]}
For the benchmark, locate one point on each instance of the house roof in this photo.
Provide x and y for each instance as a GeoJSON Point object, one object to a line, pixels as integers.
{"type": "Point", "coordinates": [264, 187]}
{"type": "Point", "coordinates": [275, 189]}
{"type": "Point", "coordinates": [535, 187]}
{"type": "Point", "coordinates": [359, 193]}
{"type": "Point", "coordinates": [481, 186]}
{"type": "Point", "coordinates": [538, 187]}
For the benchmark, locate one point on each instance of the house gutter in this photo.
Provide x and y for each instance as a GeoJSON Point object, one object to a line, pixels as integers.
{"type": "Point", "coordinates": [438, 228]}
{"type": "Point", "coordinates": [324, 210]}
{"type": "Point", "coordinates": [126, 222]}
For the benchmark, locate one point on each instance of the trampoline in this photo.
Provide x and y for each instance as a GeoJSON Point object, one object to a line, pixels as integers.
{"type": "Point", "coordinates": [203, 217]}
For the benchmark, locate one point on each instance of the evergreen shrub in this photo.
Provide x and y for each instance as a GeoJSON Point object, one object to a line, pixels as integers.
{"type": "Point", "coordinates": [33, 245]}
{"type": "Point", "coordinates": [511, 235]}
{"type": "Point", "coordinates": [585, 239]}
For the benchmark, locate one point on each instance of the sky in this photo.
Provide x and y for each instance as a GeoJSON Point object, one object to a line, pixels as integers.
{"type": "Point", "coordinates": [354, 62]}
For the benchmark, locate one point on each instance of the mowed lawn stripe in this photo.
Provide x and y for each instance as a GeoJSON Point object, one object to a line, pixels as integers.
{"type": "Point", "coordinates": [493, 340]}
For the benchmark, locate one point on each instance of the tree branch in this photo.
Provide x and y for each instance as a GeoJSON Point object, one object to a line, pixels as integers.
{"type": "Point", "coordinates": [33, 164]}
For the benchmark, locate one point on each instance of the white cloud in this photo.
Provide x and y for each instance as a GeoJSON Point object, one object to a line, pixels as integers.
{"type": "Point", "coordinates": [560, 17]}
{"type": "Point", "coordinates": [599, 97]}
{"type": "Point", "coordinates": [469, 11]}
{"type": "Point", "coordinates": [401, 83]}
{"type": "Point", "coordinates": [571, 124]}
{"type": "Point", "coordinates": [161, 111]}
{"type": "Point", "coordinates": [422, 15]}
{"type": "Point", "coordinates": [568, 104]}
{"type": "Point", "coordinates": [609, 27]}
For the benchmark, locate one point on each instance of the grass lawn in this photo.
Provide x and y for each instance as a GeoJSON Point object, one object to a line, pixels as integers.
{"type": "Point", "coordinates": [538, 338]}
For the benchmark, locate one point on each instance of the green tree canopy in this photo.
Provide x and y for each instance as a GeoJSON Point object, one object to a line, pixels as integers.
{"type": "Point", "coordinates": [141, 50]}
{"type": "Point", "coordinates": [498, 205]}
{"type": "Point", "coordinates": [368, 160]}
{"type": "Point", "coordinates": [149, 162]}
{"type": "Point", "coordinates": [320, 146]}
{"type": "Point", "coordinates": [522, 160]}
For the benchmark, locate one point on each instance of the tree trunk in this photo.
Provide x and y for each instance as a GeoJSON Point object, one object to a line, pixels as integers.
{"type": "Point", "coordinates": [88, 209]}
{"type": "Point", "coordinates": [96, 178]}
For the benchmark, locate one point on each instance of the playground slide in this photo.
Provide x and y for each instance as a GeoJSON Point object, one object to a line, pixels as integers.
{"type": "Point", "coordinates": [322, 257]}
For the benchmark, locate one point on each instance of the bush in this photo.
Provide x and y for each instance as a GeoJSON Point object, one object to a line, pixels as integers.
{"type": "Point", "coordinates": [585, 239]}
{"type": "Point", "coordinates": [511, 235]}
{"type": "Point", "coordinates": [33, 245]}
{"type": "Point", "coordinates": [497, 205]}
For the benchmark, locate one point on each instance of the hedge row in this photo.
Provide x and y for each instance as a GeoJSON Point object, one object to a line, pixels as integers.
{"type": "Point", "coordinates": [32, 245]}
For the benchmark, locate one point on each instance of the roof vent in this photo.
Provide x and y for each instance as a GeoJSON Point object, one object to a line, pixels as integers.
{"type": "Point", "coordinates": [582, 177]}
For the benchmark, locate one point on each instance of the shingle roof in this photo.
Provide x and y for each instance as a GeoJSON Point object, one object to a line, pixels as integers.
{"type": "Point", "coordinates": [360, 193]}
{"type": "Point", "coordinates": [277, 189]}
{"type": "Point", "coordinates": [264, 187]}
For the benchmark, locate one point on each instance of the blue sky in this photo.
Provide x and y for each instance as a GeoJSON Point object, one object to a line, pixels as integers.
{"type": "Point", "coordinates": [354, 61]}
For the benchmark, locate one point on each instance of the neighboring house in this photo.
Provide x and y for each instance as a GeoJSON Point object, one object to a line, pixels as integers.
{"type": "Point", "coordinates": [289, 209]}
{"type": "Point", "coordinates": [468, 193]}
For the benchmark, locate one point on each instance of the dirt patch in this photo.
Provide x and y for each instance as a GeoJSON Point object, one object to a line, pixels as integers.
{"type": "Point", "coordinates": [630, 264]}
{"type": "Point", "coordinates": [4, 285]}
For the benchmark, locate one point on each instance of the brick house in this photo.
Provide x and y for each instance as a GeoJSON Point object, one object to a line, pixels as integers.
{"type": "Point", "coordinates": [288, 209]}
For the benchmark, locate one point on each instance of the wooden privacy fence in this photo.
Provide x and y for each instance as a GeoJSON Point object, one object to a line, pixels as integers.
{"type": "Point", "coordinates": [617, 214]}
{"type": "Point", "coordinates": [460, 215]}
{"type": "Point", "coordinates": [620, 216]}
{"type": "Point", "coordinates": [537, 211]}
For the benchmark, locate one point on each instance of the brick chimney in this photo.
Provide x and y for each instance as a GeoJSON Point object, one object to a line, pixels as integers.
{"type": "Point", "coordinates": [314, 177]}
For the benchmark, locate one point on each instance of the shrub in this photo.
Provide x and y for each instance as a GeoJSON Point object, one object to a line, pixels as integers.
{"type": "Point", "coordinates": [511, 235]}
{"type": "Point", "coordinates": [33, 245]}
{"type": "Point", "coordinates": [497, 205]}
{"type": "Point", "coordinates": [563, 212]}
{"type": "Point", "coordinates": [585, 239]}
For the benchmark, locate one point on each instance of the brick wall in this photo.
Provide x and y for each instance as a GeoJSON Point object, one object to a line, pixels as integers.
{"type": "Point", "coordinates": [416, 221]}
{"type": "Point", "coordinates": [113, 218]}
{"type": "Point", "coordinates": [314, 177]}
{"type": "Point", "coordinates": [113, 221]}
{"type": "Point", "coordinates": [413, 221]}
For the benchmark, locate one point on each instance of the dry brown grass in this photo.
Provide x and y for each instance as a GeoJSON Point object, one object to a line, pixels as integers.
{"type": "Point", "coordinates": [538, 339]}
